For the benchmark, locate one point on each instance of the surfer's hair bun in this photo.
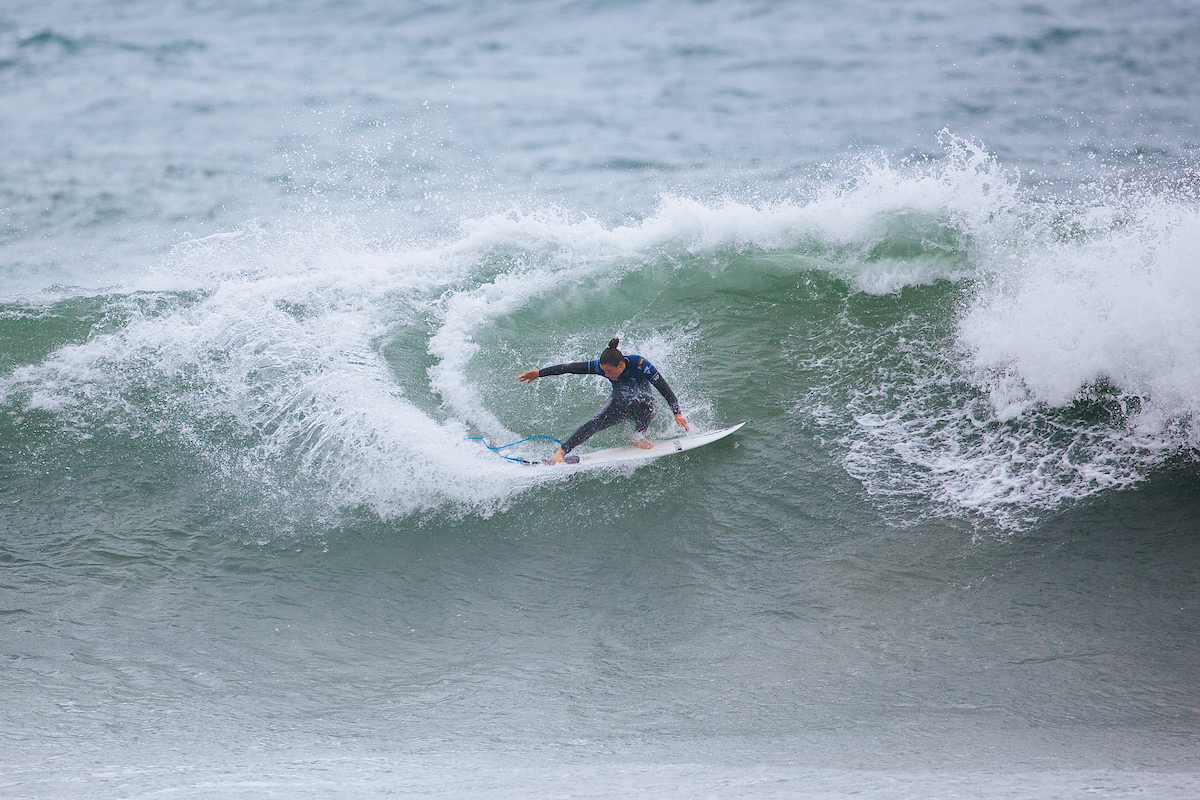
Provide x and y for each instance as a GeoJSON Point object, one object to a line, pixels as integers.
{"type": "Point", "coordinates": [612, 356]}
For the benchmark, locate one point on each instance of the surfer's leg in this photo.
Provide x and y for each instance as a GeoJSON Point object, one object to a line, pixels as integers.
{"type": "Point", "coordinates": [641, 414]}
{"type": "Point", "coordinates": [609, 415]}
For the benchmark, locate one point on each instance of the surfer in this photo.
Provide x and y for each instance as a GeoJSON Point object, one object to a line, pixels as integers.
{"type": "Point", "coordinates": [631, 377]}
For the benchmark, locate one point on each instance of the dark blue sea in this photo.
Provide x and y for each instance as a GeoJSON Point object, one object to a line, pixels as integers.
{"type": "Point", "coordinates": [266, 269]}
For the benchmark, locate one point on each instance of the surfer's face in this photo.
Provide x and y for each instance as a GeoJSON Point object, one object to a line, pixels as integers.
{"type": "Point", "coordinates": [610, 371]}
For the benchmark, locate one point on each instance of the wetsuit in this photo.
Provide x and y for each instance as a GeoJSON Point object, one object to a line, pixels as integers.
{"type": "Point", "coordinates": [630, 398]}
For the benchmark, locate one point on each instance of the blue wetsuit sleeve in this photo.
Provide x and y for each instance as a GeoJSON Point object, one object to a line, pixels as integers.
{"type": "Point", "coordinates": [660, 383]}
{"type": "Point", "coordinates": [574, 368]}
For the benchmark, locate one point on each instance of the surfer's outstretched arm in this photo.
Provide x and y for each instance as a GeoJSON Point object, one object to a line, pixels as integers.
{"type": "Point", "coordinates": [574, 368]}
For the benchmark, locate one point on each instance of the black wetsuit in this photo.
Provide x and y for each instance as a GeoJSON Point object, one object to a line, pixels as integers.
{"type": "Point", "coordinates": [630, 399]}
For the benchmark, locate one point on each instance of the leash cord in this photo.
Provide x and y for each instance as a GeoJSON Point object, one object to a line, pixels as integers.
{"type": "Point", "coordinates": [510, 444]}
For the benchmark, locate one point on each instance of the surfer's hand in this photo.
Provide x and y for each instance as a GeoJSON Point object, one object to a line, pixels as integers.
{"type": "Point", "coordinates": [679, 420]}
{"type": "Point", "coordinates": [528, 377]}
{"type": "Point", "coordinates": [559, 455]}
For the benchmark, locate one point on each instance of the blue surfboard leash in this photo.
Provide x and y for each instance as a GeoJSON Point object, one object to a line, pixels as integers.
{"type": "Point", "coordinates": [510, 444]}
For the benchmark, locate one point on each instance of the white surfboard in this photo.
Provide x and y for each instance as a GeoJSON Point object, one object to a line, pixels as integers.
{"type": "Point", "coordinates": [665, 448]}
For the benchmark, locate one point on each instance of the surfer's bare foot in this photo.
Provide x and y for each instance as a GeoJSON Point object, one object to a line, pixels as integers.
{"type": "Point", "coordinates": [645, 444]}
{"type": "Point", "coordinates": [558, 457]}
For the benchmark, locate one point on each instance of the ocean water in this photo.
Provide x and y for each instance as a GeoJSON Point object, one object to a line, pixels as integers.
{"type": "Point", "coordinates": [265, 268]}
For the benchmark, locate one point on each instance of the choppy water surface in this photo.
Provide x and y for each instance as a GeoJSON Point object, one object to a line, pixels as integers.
{"type": "Point", "coordinates": [266, 269]}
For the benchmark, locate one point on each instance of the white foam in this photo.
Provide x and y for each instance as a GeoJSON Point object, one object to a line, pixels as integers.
{"type": "Point", "coordinates": [1120, 302]}
{"type": "Point", "coordinates": [1082, 303]}
{"type": "Point", "coordinates": [283, 347]}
